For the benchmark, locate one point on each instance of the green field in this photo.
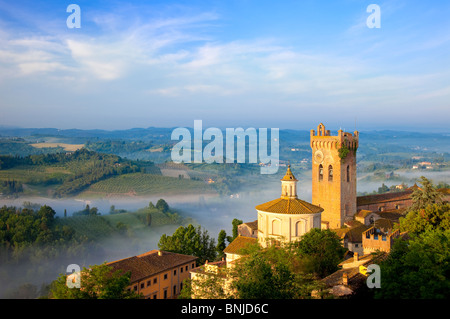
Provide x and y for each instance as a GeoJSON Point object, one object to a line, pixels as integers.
{"type": "Point", "coordinates": [145, 184]}
{"type": "Point", "coordinates": [104, 226]}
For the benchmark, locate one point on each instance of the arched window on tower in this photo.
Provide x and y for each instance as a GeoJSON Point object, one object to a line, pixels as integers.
{"type": "Point", "coordinates": [320, 172]}
{"type": "Point", "coordinates": [330, 173]}
{"type": "Point", "coordinates": [348, 173]}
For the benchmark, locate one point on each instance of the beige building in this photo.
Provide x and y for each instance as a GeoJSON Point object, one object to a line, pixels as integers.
{"type": "Point", "coordinates": [157, 274]}
{"type": "Point", "coordinates": [287, 218]}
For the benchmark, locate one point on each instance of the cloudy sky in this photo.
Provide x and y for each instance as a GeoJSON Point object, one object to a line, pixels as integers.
{"type": "Point", "coordinates": [248, 63]}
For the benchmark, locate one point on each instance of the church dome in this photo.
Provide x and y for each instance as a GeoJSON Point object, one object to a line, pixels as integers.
{"type": "Point", "coordinates": [288, 203]}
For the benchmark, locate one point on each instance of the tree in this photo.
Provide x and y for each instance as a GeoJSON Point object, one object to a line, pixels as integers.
{"type": "Point", "coordinates": [162, 205]}
{"type": "Point", "coordinates": [190, 241]}
{"type": "Point", "coordinates": [425, 195]}
{"type": "Point", "coordinates": [271, 273]}
{"type": "Point", "coordinates": [418, 268]}
{"type": "Point", "coordinates": [97, 282]}
{"type": "Point", "coordinates": [47, 213]}
{"type": "Point", "coordinates": [432, 217]}
{"type": "Point", "coordinates": [148, 219]}
{"type": "Point", "coordinates": [235, 222]}
{"type": "Point", "coordinates": [321, 251]}
{"type": "Point", "coordinates": [221, 243]}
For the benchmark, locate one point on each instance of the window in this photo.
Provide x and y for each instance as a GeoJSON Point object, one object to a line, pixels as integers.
{"type": "Point", "coordinates": [135, 288]}
{"type": "Point", "coordinates": [187, 268]}
{"type": "Point", "coordinates": [193, 265]}
{"type": "Point", "coordinates": [181, 269]}
{"type": "Point", "coordinates": [276, 227]}
{"type": "Point", "coordinates": [299, 228]}
{"type": "Point", "coordinates": [155, 280]}
{"type": "Point", "coordinates": [330, 173]}
{"type": "Point", "coordinates": [154, 296]}
{"type": "Point", "coordinates": [375, 236]}
{"type": "Point", "coordinates": [175, 272]}
{"type": "Point", "coordinates": [348, 173]}
{"type": "Point", "coordinates": [142, 285]}
{"type": "Point", "coordinates": [149, 283]}
{"type": "Point", "coordinates": [175, 289]}
{"type": "Point", "coordinates": [383, 238]}
{"type": "Point", "coordinates": [165, 293]}
{"type": "Point", "coordinates": [165, 276]}
{"type": "Point", "coordinates": [320, 172]}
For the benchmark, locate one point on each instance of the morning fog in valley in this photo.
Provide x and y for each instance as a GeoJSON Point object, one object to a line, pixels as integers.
{"type": "Point", "coordinates": [207, 195]}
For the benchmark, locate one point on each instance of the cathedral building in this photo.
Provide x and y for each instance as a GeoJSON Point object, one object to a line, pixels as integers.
{"type": "Point", "coordinates": [283, 219]}
{"type": "Point", "coordinates": [287, 218]}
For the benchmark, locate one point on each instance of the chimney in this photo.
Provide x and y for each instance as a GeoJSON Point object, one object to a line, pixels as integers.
{"type": "Point", "coordinates": [355, 256]}
{"type": "Point", "coordinates": [345, 278]}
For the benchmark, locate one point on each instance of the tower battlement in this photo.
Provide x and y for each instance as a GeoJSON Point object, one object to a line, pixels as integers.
{"type": "Point", "coordinates": [324, 139]}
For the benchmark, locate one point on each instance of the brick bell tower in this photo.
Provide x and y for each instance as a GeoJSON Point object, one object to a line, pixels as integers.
{"type": "Point", "coordinates": [334, 175]}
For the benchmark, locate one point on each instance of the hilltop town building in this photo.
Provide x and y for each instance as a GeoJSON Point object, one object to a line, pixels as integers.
{"type": "Point", "coordinates": [334, 175]}
{"type": "Point", "coordinates": [287, 218]}
{"type": "Point", "coordinates": [157, 274]}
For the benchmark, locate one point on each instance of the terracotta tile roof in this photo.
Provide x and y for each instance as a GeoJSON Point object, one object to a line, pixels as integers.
{"type": "Point", "coordinates": [238, 243]}
{"type": "Point", "coordinates": [203, 268]}
{"type": "Point", "coordinates": [252, 225]}
{"type": "Point", "coordinates": [363, 213]}
{"type": "Point", "coordinates": [382, 198]}
{"type": "Point", "coordinates": [289, 206]}
{"type": "Point", "coordinates": [355, 278]}
{"type": "Point", "coordinates": [383, 224]}
{"type": "Point", "coordinates": [150, 263]}
{"type": "Point", "coordinates": [353, 234]}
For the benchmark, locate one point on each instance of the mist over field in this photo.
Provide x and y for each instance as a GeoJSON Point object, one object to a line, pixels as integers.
{"type": "Point", "coordinates": [380, 154]}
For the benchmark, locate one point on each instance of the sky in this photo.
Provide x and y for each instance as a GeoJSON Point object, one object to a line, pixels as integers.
{"type": "Point", "coordinates": [234, 63]}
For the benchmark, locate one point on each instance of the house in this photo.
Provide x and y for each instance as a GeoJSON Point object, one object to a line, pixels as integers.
{"type": "Point", "coordinates": [156, 274]}
{"type": "Point", "coordinates": [350, 278]}
{"type": "Point", "coordinates": [379, 238]}
{"type": "Point", "coordinates": [351, 237]}
{"type": "Point", "coordinates": [366, 217]}
{"type": "Point", "coordinates": [249, 229]}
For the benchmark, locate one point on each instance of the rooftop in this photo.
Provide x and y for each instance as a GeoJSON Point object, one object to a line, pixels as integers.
{"type": "Point", "coordinates": [238, 244]}
{"type": "Point", "coordinates": [289, 175]}
{"type": "Point", "coordinates": [150, 263]}
{"type": "Point", "coordinates": [289, 206]}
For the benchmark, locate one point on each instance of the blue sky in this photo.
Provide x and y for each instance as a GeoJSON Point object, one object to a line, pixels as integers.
{"type": "Point", "coordinates": [274, 64]}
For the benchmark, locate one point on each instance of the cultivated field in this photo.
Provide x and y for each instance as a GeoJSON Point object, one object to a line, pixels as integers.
{"type": "Point", "coordinates": [65, 146]}
{"type": "Point", "coordinates": [138, 184]}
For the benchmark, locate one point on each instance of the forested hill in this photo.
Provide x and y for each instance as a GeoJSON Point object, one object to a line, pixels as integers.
{"type": "Point", "coordinates": [69, 172]}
